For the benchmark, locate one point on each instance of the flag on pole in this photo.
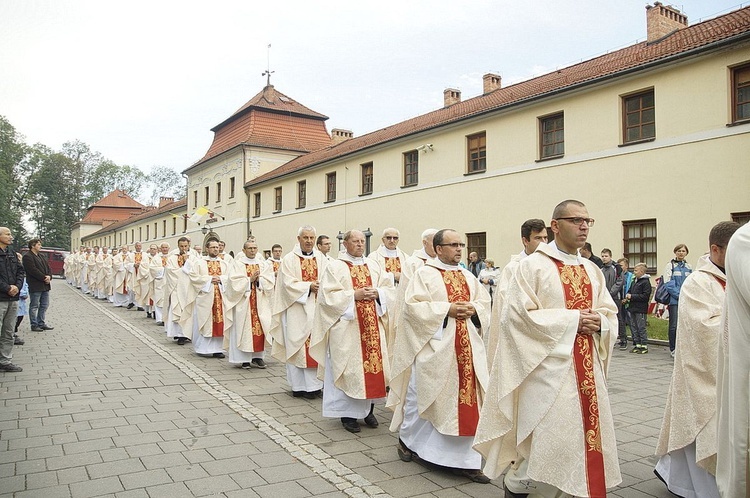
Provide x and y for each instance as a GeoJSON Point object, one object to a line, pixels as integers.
{"type": "Point", "coordinates": [199, 214]}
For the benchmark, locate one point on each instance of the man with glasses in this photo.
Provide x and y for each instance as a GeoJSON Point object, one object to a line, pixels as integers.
{"type": "Point", "coordinates": [547, 409]}
{"type": "Point", "coordinates": [439, 362]}
{"type": "Point", "coordinates": [389, 256]}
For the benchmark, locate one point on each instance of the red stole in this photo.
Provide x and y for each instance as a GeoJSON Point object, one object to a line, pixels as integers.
{"type": "Point", "coordinates": [124, 283]}
{"type": "Point", "coordinates": [369, 335]}
{"type": "Point", "coordinates": [309, 268]}
{"type": "Point", "coordinates": [393, 265]}
{"type": "Point", "coordinates": [258, 335]}
{"type": "Point", "coordinates": [276, 265]}
{"type": "Point", "coordinates": [579, 296]}
{"type": "Point", "coordinates": [137, 257]}
{"type": "Point", "coordinates": [164, 260]}
{"type": "Point", "coordinates": [468, 408]}
{"type": "Point", "coordinates": [217, 308]}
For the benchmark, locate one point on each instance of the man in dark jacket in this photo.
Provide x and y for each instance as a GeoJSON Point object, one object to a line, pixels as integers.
{"type": "Point", "coordinates": [38, 278]}
{"type": "Point", "coordinates": [11, 282]}
{"type": "Point", "coordinates": [639, 298]}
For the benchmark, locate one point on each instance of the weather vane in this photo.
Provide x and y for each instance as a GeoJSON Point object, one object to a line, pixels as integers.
{"type": "Point", "coordinates": [267, 73]}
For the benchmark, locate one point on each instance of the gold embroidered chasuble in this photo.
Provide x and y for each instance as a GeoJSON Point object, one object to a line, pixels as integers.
{"type": "Point", "coordinates": [440, 351]}
{"type": "Point", "coordinates": [352, 330]}
{"type": "Point", "coordinates": [294, 305]}
{"type": "Point", "coordinates": [690, 412]}
{"type": "Point", "coordinates": [211, 303]}
{"type": "Point", "coordinates": [253, 314]}
{"type": "Point", "coordinates": [538, 392]}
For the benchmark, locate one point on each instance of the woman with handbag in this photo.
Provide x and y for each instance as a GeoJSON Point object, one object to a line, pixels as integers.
{"type": "Point", "coordinates": [674, 275]}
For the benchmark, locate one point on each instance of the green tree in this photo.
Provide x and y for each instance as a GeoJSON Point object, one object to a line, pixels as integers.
{"type": "Point", "coordinates": [108, 176]}
{"type": "Point", "coordinates": [165, 182]}
{"type": "Point", "coordinates": [13, 165]}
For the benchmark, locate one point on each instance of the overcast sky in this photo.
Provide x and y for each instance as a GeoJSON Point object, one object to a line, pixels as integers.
{"type": "Point", "coordinates": [143, 82]}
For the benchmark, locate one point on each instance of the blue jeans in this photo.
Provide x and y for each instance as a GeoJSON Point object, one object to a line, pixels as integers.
{"type": "Point", "coordinates": [38, 307]}
{"type": "Point", "coordinates": [672, 326]}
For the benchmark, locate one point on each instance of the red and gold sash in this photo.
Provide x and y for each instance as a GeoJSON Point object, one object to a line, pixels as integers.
{"type": "Point", "coordinates": [181, 258]}
{"type": "Point", "coordinates": [393, 265]}
{"type": "Point", "coordinates": [258, 335]}
{"type": "Point", "coordinates": [369, 334]}
{"type": "Point", "coordinates": [578, 296]}
{"type": "Point", "coordinates": [164, 260]}
{"type": "Point", "coordinates": [276, 265]}
{"type": "Point", "coordinates": [468, 407]}
{"type": "Point", "coordinates": [309, 268]}
{"type": "Point", "coordinates": [137, 257]}
{"type": "Point", "coordinates": [217, 308]}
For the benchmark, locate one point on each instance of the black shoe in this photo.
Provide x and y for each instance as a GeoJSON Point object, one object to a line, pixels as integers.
{"type": "Point", "coordinates": [148, 315]}
{"type": "Point", "coordinates": [10, 367]}
{"type": "Point", "coordinates": [46, 327]}
{"type": "Point", "coordinates": [350, 424]}
{"type": "Point", "coordinates": [404, 453]}
{"type": "Point", "coordinates": [474, 475]}
{"type": "Point", "coordinates": [218, 355]}
{"type": "Point", "coordinates": [309, 395]}
{"type": "Point", "coordinates": [37, 329]}
{"type": "Point", "coordinates": [160, 324]}
{"type": "Point", "coordinates": [181, 341]}
{"type": "Point", "coordinates": [246, 365]}
{"type": "Point", "coordinates": [130, 306]}
{"type": "Point", "coordinates": [258, 363]}
{"type": "Point", "coordinates": [298, 394]}
{"type": "Point", "coordinates": [371, 421]}
{"type": "Point", "coordinates": [139, 308]}
{"type": "Point", "coordinates": [17, 341]}
{"type": "Point", "coordinates": [511, 494]}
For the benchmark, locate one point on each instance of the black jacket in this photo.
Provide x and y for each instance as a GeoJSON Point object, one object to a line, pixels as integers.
{"type": "Point", "coordinates": [640, 295]}
{"type": "Point", "coordinates": [36, 269]}
{"type": "Point", "coordinates": [11, 273]}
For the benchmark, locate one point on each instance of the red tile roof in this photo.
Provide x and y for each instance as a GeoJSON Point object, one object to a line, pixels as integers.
{"type": "Point", "coordinates": [702, 36]}
{"type": "Point", "coordinates": [117, 205]}
{"type": "Point", "coordinates": [117, 198]}
{"type": "Point", "coordinates": [178, 207]}
{"type": "Point", "coordinates": [270, 119]}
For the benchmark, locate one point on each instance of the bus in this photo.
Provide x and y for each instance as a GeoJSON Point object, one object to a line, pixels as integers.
{"type": "Point", "coordinates": [55, 257]}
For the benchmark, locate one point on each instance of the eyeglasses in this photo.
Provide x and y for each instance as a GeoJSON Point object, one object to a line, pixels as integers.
{"type": "Point", "coordinates": [391, 237]}
{"type": "Point", "coordinates": [454, 245]}
{"type": "Point", "coordinates": [579, 221]}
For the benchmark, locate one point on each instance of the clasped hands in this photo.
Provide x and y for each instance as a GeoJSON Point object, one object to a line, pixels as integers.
{"type": "Point", "coordinates": [366, 294]}
{"type": "Point", "coordinates": [589, 322]}
{"type": "Point", "coordinates": [461, 310]}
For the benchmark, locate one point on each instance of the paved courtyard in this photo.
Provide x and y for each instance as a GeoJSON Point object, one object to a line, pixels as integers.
{"type": "Point", "coordinates": [107, 406]}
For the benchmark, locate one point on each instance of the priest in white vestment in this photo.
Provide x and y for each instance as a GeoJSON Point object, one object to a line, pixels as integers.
{"type": "Point", "coordinates": [533, 233]}
{"type": "Point", "coordinates": [157, 269]}
{"type": "Point", "coordinates": [146, 281]}
{"type": "Point", "coordinates": [733, 372]}
{"type": "Point", "coordinates": [137, 290]}
{"type": "Point", "coordinates": [349, 334]}
{"type": "Point", "coordinates": [121, 293]}
{"type": "Point", "coordinates": [246, 340]}
{"type": "Point", "coordinates": [177, 297]}
{"type": "Point", "coordinates": [295, 297]}
{"type": "Point", "coordinates": [389, 256]}
{"type": "Point", "coordinates": [212, 299]}
{"type": "Point", "coordinates": [687, 442]}
{"type": "Point", "coordinates": [547, 408]}
{"type": "Point", "coordinates": [103, 274]}
{"type": "Point", "coordinates": [83, 281]}
{"type": "Point", "coordinates": [408, 268]}
{"type": "Point", "coordinates": [439, 362]}
{"type": "Point", "coordinates": [275, 259]}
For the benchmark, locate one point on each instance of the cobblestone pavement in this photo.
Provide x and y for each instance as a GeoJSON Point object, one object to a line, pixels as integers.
{"type": "Point", "coordinates": [107, 406]}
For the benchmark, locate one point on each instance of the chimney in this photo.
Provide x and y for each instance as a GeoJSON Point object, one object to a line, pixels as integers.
{"type": "Point", "coordinates": [491, 82]}
{"type": "Point", "coordinates": [451, 96]}
{"type": "Point", "coordinates": [163, 201]}
{"type": "Point", "coordinates": [338, 135]}
{"type": "Point", "coordinates": [662, 21]}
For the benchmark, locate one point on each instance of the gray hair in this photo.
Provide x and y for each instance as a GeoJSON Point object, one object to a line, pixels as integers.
{"type": "Point", "coordinates": [305, 228]}
{"type": "Point", "coordinates": [429, 233]}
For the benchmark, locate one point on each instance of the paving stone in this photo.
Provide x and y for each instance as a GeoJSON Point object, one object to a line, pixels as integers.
{"type": "Point", "coordinates": [176, 489]}
{"type": "Point", "coordinates": [60, 491]}
{"type": "Point", "coordinates": [288, 489]}
{"type": "Point", "coordinates": [12, 484]}
{"type": "Point", "coordinates": [95, 487]}
{"type": "Point", "coordinates": [144, 479]}
{"type": "Point", "coordinates": [212, 485]}
{"type": "Point", "coordinates": [116, 468]}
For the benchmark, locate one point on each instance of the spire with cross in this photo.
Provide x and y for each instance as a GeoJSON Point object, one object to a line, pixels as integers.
{"type": "Point", "coordinates": [267, 73]}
